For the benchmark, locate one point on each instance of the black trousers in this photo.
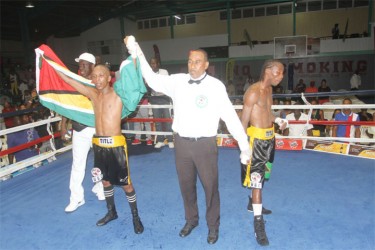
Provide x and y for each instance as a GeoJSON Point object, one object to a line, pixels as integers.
{"type": "Point", "coordinates": [198, 158]}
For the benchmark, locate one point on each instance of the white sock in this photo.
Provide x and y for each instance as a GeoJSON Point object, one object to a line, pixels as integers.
{"type": "Point", "coordinates": [257, 208]}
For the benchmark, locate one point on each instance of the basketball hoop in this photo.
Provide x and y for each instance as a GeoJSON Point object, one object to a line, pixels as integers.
{"type": "Point", "coordinates": [290, 47]}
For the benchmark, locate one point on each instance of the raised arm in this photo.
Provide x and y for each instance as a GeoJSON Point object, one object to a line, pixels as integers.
{"type": "Point", "coordinates": [136, 51]}
{"type": "Point", "coordinates": [157, 82]}
{"type": "Point", "coordinates": [84, 90]}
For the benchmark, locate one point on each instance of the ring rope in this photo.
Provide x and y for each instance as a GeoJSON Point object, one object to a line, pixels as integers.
{"type": "Point", "coordinates": [26, 126]}
{"type": "Point", "coordinates": [342, 139]}
{"type": "Point", "coordinates": [328, 106]}
{"type": "Point", "coordinates": [319, 106]}
{"type": "Point", "coordinates": [27, 145]}
{"type": "Point", "coordinates": [20, 112]}
{"type": "Point", "coordinates": [367, 92]}
{"type": "Point", "coordinates": [313, 122]}
{"type": "Point", "coordinates": [50, 132]}
{"type": "Point", "coordinates": [7, 170]}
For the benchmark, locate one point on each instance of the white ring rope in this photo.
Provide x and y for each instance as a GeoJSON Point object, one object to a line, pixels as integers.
{"type": "Point", "coordinates": [50, 132]}
{"type": "Point", "coordinates": [7, 170]}
{"type": "Point", "coordinates": [29, 125]}
{"type": "Point", "coordinates": [305, 107]}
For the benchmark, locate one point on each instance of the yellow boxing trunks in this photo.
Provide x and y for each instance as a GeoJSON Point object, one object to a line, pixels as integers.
{"type": "Point", "coordinates": [111, 159]}
{"type": "Point", "coordinates": [262, 141]}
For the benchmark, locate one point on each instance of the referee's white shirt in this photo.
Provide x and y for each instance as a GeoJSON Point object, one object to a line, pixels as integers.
{"type": "Point", "coordinates": [197, 107]}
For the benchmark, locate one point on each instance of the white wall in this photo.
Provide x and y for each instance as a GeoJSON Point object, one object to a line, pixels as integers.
{"type": "Point", "coordinates": [67, 49]}
{"type": "Point", "coordinates": [246, 51]}
{"type": "Point", "coordinates": [350, 44]}
{"type": "Point", "coordinates": [178, 49]}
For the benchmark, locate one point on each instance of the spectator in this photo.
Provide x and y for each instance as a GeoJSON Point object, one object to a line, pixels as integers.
{"type": "Point", "coordinates": [23, 87]}
{"type": "Point", "coordinates": [142, 113]}
{"type": "Point", "coordinates": [300, 88]}
{"type": "Point", "coordinates": [318, 115]}
{"type": "Point", "coordinates": [330, 127]}
{"type": "Point", "coordinates": [278, 89]}
{"type": "Point", "coordinates": [349, 131]}
{"type": "Point", "coordinates": [371, 129]}
{"type": "Point", "coordinates": [159, 98]}
{"type": "Point", "coordinates": [20, 138]}
{"type": "Point", "coordinates": [311, 89]}
{"type": "Point", "coordinates": [285, 112]}
{"type": "Point", "coordinates": [26, 97]}
{"type": "Point", "coordinates": [298, 129]}
{"type": "Point", "coordinates": [249, 80]}
{"type": "Point", "coordinates": [2, 124]}
{"type": "Point", "coordinates": [335, 31]}
{"type": "Point", "coordinates": [13, 79]}
{"type": "Point", "coordinates": [231, 89]}
{"type": "Point", "coordinates": [355, 81]}
{"type": "Point", "coordinates": [34, 98]}
{"type": "Point", "coordinates": [366, 117]}
{"type": "Point", "coordinates": [323, 88]}
{"type": "Point", "coordinates": [8, 108]}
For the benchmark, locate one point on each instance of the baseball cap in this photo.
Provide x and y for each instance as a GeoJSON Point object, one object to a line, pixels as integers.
{"type": "Point", "coordinates": [87, 57]}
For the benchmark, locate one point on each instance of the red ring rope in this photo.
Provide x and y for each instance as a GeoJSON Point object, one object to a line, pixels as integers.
{"type": "Point", "coordinates": [27, 145]}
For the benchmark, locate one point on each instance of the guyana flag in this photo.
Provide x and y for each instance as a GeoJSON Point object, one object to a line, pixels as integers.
{"type": "Point", "coordinates": [60, 97]}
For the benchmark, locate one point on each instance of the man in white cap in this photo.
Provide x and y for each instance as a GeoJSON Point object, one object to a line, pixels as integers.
{"type": "Point", "coordinates": [81, 144]}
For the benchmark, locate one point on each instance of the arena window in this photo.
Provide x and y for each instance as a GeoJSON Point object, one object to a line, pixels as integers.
{"type": "Point", "coordinates": [259, 11]}
{"type": "Point", "coordinates": [162, 22]}
{"type": "Point", "coordinates": [271, 11]}
{"type": "Point", "coordinates": [247, 13]}
{"type": "Point", "coordinates": [314, 6]}
{"type": "Point", "coordinates": [285, 9]}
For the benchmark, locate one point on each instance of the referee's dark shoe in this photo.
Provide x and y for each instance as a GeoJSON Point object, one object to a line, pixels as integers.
{"type": "Point", "coordinates": [265, 211]}
{"type": "Point", "coordinates": [186, 230]}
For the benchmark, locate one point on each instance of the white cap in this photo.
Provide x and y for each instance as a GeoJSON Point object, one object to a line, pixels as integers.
{"type": "Point", "coordinates": [87, 57]}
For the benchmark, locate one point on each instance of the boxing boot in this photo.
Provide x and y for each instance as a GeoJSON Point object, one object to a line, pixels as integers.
{"type": "Point", "coordinates": [260, 231]}
{"type": "Point", "coordinates": [137, 223]}
{"type": "Point", "coordinates": [111, 215]}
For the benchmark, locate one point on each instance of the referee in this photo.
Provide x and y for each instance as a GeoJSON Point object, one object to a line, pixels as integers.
{"type": "Point", "coordinates": [199, 102]}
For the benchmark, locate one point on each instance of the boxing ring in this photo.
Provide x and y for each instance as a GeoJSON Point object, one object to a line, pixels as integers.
{"type": "Point", "coordinates": [319, 201]}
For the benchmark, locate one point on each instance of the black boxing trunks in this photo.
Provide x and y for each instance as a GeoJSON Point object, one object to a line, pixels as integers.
{"type": "Point", "coordinates": [262, 141]}
{"type": "Point", "coordinates": [111, 159]}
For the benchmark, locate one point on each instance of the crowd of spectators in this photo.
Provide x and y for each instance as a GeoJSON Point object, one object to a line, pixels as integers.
{"type": "Point", "coordinates": [321, 130]}
{"type": "Point", "coordinates": [19, 105]}
{"type": "Point", "coordinates": [18, 92]}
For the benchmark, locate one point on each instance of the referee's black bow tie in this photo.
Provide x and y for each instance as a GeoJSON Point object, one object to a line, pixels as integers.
{"type": "Point", "coordinates": [197, 81]}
